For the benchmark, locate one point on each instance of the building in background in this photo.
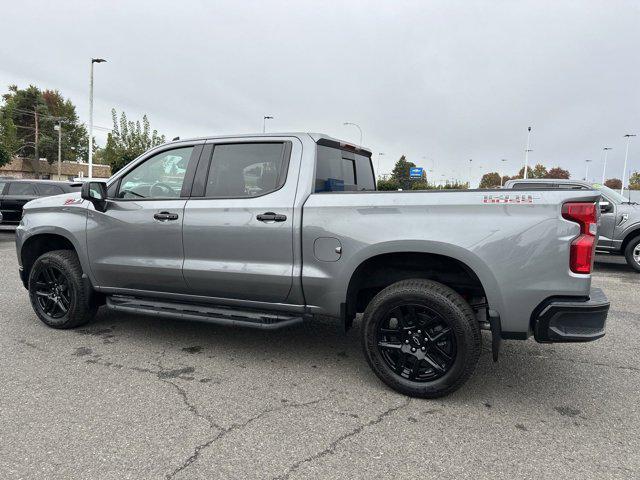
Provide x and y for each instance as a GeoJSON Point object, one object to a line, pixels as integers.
{"type": "Point", "coordinates": [21, 167]}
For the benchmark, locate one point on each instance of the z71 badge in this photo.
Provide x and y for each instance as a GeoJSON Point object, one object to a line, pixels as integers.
{"type": "Point", "coordinates": [510, 198]}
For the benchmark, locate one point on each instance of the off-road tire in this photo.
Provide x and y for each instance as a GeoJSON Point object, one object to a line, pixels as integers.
{"type": "Point", "coordinates": [457, 314]}
{"type": "Point", "coordinates": [82, 307]}
{"type": "Point", "coordinates": [628, 253]}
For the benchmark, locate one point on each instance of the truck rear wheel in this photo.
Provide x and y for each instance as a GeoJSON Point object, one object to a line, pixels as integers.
{"type": "Point", "coordinates": [56, 290]}
{"type": "Point", "coordinates": [632, 253]}
{"type": "Point", "coordinates": [421, 338]}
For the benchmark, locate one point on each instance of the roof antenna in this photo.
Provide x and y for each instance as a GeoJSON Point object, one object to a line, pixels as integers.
{"type": "Point", "coordinates": [176, 138]}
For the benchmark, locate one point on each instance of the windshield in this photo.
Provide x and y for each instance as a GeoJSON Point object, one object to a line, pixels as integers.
{"type": "Point", "coordinates": [612, 195]}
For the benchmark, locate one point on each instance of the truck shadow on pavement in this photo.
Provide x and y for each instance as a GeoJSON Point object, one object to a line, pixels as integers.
{"type": "Point", "coordinates": [527, 372]}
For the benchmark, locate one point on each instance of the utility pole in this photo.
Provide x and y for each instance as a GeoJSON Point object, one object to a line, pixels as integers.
{"type": "Point", "coordinates": [93, 60]}
{"type": "Point", "coordinates": [586, 173]}
{"type": "Point", "coordinates": [470, 162]}
{"type": "Point", "coordinates": [502, 173]}
{"type": "Point", "coordinates": [380, 154]}
{"type": "Point", "coordinates": [526, 153]}
{"type": "Point", "coordinates": [626, 156]}
{"type": "Point", "coordinates": [58, 127]}
{"type": "Point", "coordinates": [604, 165]}
{"type": "Point", "coordinates": [36, 152]}
{"type": "Point", "coordinates": [264, 122]}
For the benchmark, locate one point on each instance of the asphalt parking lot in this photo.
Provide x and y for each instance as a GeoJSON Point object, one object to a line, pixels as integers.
{"type": "Point", "coordinates": [137, 397]}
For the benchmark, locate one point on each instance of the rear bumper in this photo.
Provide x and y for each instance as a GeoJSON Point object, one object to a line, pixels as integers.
{"type": "Point", "coordinates": [571, 320]}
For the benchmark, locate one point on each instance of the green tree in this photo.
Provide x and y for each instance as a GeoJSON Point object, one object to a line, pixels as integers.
{"type": "Point", "coordinates": [614, 183]}
{"type": "Point", "coordinates": [456, 185]}
{"type": "Point", "coordinates": [539, 171]}
{"type": "Point", "coordinates": [421, 185]}
{"type": "Point", "coordinates": [75, 140]}
{"type": "Point", "coordinates": [521, 173]}
{"type": "Point", "coordinates": [557, 172]}
{"type": "Point", "coordinates": [401, 175]}
{"type": "Point", "coordinates": [634, 181]}
{"type": "Point", "coordinates": [387, 185]}
{"type": "Point", "coordinates": [128, 140]}
{"type": "Point", "coordinates": [18, 114]}
{"type": "Point", "coordinates": [5, 156]}
{"type": "Point", "coordinates": [490, 180]}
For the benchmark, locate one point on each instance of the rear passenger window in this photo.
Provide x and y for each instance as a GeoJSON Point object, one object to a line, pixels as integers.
{"type": "Point", "coordinates": [20, 188]}
{"type": "Point", "coordinates": [242, 170]}
{"type": "Point", "coordinates": [338, 170]}
{"type": "Point", "coordinates": [48, 190]}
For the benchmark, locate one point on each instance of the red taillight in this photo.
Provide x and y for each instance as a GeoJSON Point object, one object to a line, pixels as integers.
{"type": "Point", "coordinates": [583, 246]}
{"type": "Point", "coordinates": [582, 254]}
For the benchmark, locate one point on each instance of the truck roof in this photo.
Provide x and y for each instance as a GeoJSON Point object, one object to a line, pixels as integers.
{"type": "Point", "coordinates": [316, 137]}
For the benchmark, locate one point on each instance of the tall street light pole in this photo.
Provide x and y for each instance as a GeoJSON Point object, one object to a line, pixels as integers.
{"type": "Point", "coordinates": [380, 154]}
{"type": "Point", "coordinates": [58, 127]}
{"type": "Point", "coordinates": [605, 150]}
{"type": "Point", "coordinates": [626, 156]}
{"type": "Point", "coordinates": [264, 122]}
{"type": "Point", "coordinates": [358, 127]}
{"type": "Point", "coordinates": [526, 153]}
{"type": "Point", "coordinates": [93, 60]}
{"type": "Point", "coordinates": [586, 173]}
{"type": "Point", "coordinates": [503, 160]}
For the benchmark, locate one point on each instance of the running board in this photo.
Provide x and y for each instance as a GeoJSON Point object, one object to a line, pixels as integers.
{"type": "Point", "coordinates": [203, 313]}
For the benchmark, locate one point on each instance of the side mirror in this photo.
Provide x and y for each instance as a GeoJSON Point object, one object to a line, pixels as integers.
{"type": "Point", "coordinates": [96, 193]}
{"type": "Point", "coordinates": [605, 207]}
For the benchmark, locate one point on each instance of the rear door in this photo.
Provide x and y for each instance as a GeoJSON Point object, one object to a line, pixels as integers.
{"type": "Point", "coordinates": [15, 197]}
{"type": "Point", "coordinates": [238, 223]}
{"type": "Point", "coordinates": [137, 242]}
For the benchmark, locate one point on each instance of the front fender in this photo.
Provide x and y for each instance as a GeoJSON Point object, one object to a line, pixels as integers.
{"type": "Point", "coordinates": [67, 221]}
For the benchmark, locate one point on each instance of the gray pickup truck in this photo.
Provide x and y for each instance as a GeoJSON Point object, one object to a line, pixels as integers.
{"type": "Point", "coordinates": [619, 231]}
{"type": "Point", "coordinates": [269, 231]}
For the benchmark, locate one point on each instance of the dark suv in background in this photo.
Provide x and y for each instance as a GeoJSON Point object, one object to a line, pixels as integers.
{"type": "Point", "coordinates": [15, 193]}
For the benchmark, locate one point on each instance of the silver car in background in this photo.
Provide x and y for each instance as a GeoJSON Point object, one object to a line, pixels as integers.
{"type": "Point", "coordinates": [619, 229]}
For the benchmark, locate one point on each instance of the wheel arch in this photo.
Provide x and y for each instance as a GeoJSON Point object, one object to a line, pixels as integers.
{"type": "Point", "coordinates": [454, 266]}
{"type": "Point", "coordinates": [42, 242]}
{"type": "Point", "coordinates": [629, 235]}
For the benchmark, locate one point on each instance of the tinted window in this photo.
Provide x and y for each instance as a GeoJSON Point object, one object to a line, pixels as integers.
{"type": "Point", "coordinates": [161, 176]}
{"type": "Point", "coordinates": [19, 188]}
{"type": "Point", "coordinates": [533, 186]}
{"type": "Point", "coordinates": [246, 170]}
{"type": "Point", "coordinates": [364, 171]}
{"type": "Point", "coordinates": [2, 184]}
{"type": "Point", "coordinates": [338, 170]}
{"type": "Point", "coordinates": [46, 190]}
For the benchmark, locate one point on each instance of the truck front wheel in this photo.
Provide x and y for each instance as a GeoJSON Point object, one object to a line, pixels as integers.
{"type": "Point", "coordinates": [632, 253]}
{"type": "Point", "coordinates": [56, 291]}
{"type": "Point", "coordinates": [421, 338]}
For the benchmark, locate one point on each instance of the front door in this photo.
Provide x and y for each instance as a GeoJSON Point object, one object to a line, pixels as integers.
{"type": "Point", "coordinates": [607, 224]}
{"type": "Point", "coordinates": [238, 223]}
{"type": "Point", "coordinates": [137, 242]}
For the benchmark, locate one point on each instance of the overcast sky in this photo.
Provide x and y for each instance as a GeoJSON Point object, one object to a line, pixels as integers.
{"type": "Point", "coordinates": [447, 81]}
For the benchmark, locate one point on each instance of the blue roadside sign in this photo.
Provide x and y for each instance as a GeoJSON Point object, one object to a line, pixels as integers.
{"type": "Point", "coordinates": [415, 172]}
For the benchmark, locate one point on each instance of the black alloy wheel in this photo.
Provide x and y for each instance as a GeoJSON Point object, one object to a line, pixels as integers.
{"type": "Point", "coordinates": [52, 292]}
{"type": "Point", "coordinates": [416, 342]}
